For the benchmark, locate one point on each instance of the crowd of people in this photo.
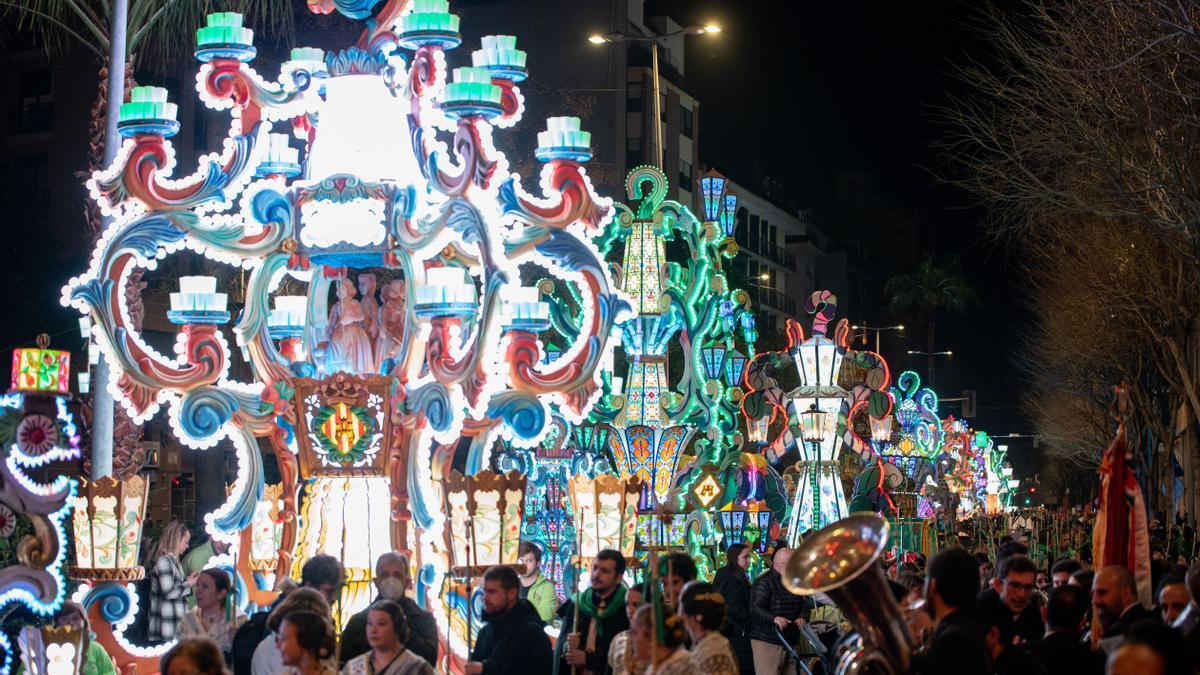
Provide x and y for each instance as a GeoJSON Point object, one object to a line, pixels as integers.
{"type": "Point", "coordinates": [968, 611]}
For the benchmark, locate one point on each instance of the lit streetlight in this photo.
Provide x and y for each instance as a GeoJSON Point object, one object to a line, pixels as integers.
{"type": "Point", "coordinates": [921, 353]}
{"type": "Point", "coordinates": [654, 41]}
{"type": "Point", "coordinates": [878, 329]}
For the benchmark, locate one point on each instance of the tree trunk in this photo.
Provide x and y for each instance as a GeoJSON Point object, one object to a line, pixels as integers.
{"type": "Point", "coordinates": [102, 409]}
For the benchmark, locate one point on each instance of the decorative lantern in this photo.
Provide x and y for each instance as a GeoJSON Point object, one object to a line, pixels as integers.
{"type": "Point", "coordinates": [51, 650]}
{"type": "Point", "coordinates": [484, 513]}
{"type": "Point", "coordinates": [729, 215]}
{"type": "Point", "coordinates": [734, 522]}
{"type": "Point", "coordinates": [108, 519]}
{"type": "Point", "coordinates": [881, 429]}
{"type": "Point", "coordinates": [592, 438]}
{"type": "Point", "coordinates": [713, 358]}
{"type": "Point", "coordinates": [41, 370]}
{"type": "Point", "coordinates": [605, 509]}
{"type": "Point", "coordinates": [735, 365]}
{"type": "Point", "coordinates": [712, 188]}
{"type": "Point", "coordinates": [266, 531]}
{"type": "Point", "coordinates": [818, 402]}
{"type": "Point", "coordinates": [650, 453]}
{"type": "Point", "coordinates": [812, 425]}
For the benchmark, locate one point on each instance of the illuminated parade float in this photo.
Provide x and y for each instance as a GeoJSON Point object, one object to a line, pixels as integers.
{"type": "Point", "coordinates": [363, 181]}
{"type": "Point", "coordinates": [430, 353]}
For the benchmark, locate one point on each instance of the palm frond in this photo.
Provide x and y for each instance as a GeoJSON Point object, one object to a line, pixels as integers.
{"type": "Point", "coordinates": [60, 23]}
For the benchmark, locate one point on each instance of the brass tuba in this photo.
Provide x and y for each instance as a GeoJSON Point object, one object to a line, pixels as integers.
{"type": "Point", "coordinates": [839, 561]}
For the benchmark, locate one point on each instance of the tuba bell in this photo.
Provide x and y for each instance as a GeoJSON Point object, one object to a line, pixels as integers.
{"type": "Point", "coordinates": [839, 561]}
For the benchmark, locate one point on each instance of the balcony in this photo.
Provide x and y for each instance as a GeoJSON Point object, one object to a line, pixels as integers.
{"type": "Point", "coordinates": [769, 297]}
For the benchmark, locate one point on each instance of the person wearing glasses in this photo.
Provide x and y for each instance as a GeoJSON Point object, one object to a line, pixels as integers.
{"type": "Point", "coordinates": [1015, 585]}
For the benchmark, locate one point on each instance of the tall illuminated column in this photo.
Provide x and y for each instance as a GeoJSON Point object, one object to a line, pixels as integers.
{"type": "Point", "coordinates": [647, 337]}
{"type": "Point", "coordinates": [817, 403]}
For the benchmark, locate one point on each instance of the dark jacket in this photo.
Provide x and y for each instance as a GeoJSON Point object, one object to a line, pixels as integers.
{"type": "Point", "coordinates": [956, 648]}
{"type": "Point", "coordinates": [732, 584]}
{"type": "Point", "coordinates": [597, 661]}
{"type": "Point", "coordinates": [1131, 616]}
{"type": "Point", "coordinates": [1028, 624]}
{"type": "Point", "coordinates": [422, 633]}
{"type": "Point", "coordinates": [769, 599]}
{"type": "Point", "coordinates": [514, 642]}
{"type": "Point", "coordinates": [1016, 661]}
{"type": "Point", "coordinates": [1064, 653]}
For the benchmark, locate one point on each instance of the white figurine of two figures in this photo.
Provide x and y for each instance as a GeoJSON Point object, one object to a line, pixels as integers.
{"type": "Point", "coordinates": [362, 333]}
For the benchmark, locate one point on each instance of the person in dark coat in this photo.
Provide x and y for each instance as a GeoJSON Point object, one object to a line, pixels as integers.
{"type": "Point", "coordinates": [956, 646]}
{"type": "Point", "coordinates": [601, 616]}
{"type": "Point", "coordinates": [1061, 650]}
{"type": "Point", "coordinates": [1114, 595]}
{"type": "Point", "coordinates": [733, 585]}
{"type": "Point", "coordinates": [392, 581]}
{"type": "Point", "coordinates": [775, 610]}
{"type": "Point", "coordinates": [1015, 586]}
{"type": "Point", "coordinates": [513, 640]}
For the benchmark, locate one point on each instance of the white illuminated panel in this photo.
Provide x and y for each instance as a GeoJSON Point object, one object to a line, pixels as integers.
{"type": "Point", "coordinates": [363, 131]}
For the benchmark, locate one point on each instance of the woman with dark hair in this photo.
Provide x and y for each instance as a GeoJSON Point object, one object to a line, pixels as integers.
{"type": "Point", "coordinates": [215, 615]}
{"type": "Point", "coordinates": [733, 583]}
{"type": "Point", "coordinates": [666, 654]}
{"type": "Point", "coordinates": [196, 656]}
{"type": "Point", "coordinates": [703, 611]}
{"type": "Point", "coordinates": [307, 643]}
{"type": "Point", "coordinates": [387, 631]}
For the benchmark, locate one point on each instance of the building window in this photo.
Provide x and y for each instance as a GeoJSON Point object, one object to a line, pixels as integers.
{"type": "Point", "coordinates": [662, 106]}
{"type": "Point", "coordinates": [633, 151]}
{"type": "Point", "coordinates": [35, 111]}
{"type": "Point", "coordinates": [739, 231]}
{"type": "Point", "coordinates": [685, 175]}
{"type": "Point", "coordinates": [685, 122]}
{"type": "Point", "coordinates": [764, 235]}
{"type": "Point", "coordinates": [633, 97]}
{"type": "Point", "coordinates": [752, 244]}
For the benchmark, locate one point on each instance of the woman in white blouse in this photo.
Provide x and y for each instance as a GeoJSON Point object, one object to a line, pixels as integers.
{"type": "Point", "coordinates": [215, 615]}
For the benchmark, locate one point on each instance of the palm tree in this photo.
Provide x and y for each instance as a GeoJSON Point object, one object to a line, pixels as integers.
{"type": "Point", "coordinates": [158, 31]}
{"type": "Point", "coordinates": [926, 292]}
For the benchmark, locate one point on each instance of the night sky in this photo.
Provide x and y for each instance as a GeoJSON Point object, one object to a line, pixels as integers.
{"type": "Point", "coordinates": [804, 91]}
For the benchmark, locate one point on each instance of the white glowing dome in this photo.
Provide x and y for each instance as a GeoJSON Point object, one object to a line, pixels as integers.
{"type": "Point", "coordinates": [362, 130]}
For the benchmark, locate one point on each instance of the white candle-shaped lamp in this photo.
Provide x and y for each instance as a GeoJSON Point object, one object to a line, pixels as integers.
{"type": "Point", "coordinates": [289, 316]}
{"type": "Point", "coordinates": [198, 301]}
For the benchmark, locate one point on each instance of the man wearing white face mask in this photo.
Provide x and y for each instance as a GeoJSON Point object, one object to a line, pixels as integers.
{"type": "Point", "coordinates": [392, 580]}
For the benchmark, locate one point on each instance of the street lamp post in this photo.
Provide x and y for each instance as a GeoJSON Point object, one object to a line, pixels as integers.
{"type": "Point", "coordinates": [930, 357]}
{"type": "Point", "coordinates": [653, 40]}
{"type": "Point", "coordinates": [878, 329]}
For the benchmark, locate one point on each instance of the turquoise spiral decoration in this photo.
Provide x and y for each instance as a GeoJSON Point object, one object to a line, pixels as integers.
{"type": "Point", "coordinates": [115, 600]}
{"type": "Point", "coordinates": [523, 414]}
{"type": "Point", "coordinates": [203, 412]}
